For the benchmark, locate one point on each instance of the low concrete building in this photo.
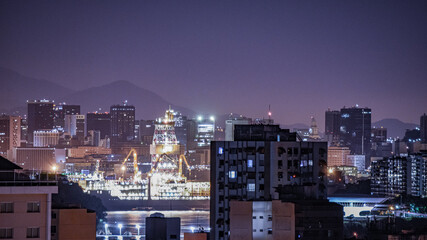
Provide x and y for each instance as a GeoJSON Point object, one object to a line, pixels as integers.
{"type": "Point", "coordinates": [305, 219]}
{"type": "Point", "coordinates": [25, 205]}
{"type": "Point", "coordinates": [73, 223]}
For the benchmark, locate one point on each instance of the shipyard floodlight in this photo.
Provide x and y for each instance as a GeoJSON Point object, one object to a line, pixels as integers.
{"type": "Point", "coordinates": [120, 228]}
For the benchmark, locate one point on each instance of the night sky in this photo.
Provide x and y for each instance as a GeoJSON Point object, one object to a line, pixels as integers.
{"type": "Point", "coordinates": [231, 56]}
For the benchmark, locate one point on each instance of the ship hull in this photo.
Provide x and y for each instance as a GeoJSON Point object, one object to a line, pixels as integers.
{"type": "Point", "coordinates": [116, 204]}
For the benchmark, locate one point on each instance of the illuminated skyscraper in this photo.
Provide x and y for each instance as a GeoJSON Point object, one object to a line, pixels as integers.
{"type": "Point", "coordinates": [122, 123]}
{"type": "Point", "coordinates": [40, 116]}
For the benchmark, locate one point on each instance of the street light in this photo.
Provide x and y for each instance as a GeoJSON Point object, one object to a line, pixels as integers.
{"type": "Point", "coordinates": [54, 170]}
{"type": "Point", "coordinates": [120, 228]}
{"type": "Point", "coordinates": [138, 227]}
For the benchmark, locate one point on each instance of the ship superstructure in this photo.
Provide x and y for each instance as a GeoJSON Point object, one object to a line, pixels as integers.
{"type": "Point", "coordinates": [166, 179]}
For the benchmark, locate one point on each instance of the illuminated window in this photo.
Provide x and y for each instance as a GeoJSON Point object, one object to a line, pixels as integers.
{"type": "Point", "coordinates": [251, 187]}
{"type": "Point", "coordinates": [232, 174]}
{"type": "Point", "coordinates": [250, 163]}
{"type": "Point", "coordinates": [220, 150]}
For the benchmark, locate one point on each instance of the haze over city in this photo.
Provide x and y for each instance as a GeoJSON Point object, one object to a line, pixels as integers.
{"type": "Point", "coordinates": [231, 56]}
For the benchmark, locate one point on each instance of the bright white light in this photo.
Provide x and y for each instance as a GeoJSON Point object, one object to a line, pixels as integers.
{"type": "Point", "coordinates": [199, 118]}
{"type": "Point", "coordinates": [192, 229]}
{"type": "Point", "coordinates": [137, 226]}
{"type": "Point", "coordinates": [54, 168]}
{"type": "Point", "coordinates": [120, 225]}
{"type": "Point", "coordinates": [106, 225]}
{"type": "Point", "coordinates": [123, 168]}
{"type": "Point", "coordinates": [212, 118]}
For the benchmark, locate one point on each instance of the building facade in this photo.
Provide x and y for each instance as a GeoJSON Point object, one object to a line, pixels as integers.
{"type": "Point", "coordinates": [252, 169]}
{"type": "Point", "coordinates": [122, 123]}
{"type": "Point", "coordinates": [231, 122]}
{"type": "Point", "coordinates": [46, 138]}
{"type": "Point", "coordinates": [355, 130]}
{"type": "Point", "coordinates": [100, 122]}
{"type": "Point", "coordinates": [396, 176]}
{"type": "Point", "coordinates": [40, 116]}
{"type": "Point", "coordinates": [332, 126]}
{"type": "Point", "coordinates": [337, 156]}
{"type": "Point", "coordinates": [62, 109]}
{"type": "Point", "coordinates": [73, 223]}
{"type": "Point", "coordinates": [39, 159]}
{"type": "Point", "coordinates": [25, 208]}
{"type": "Point", "coordinates": [10, 133]}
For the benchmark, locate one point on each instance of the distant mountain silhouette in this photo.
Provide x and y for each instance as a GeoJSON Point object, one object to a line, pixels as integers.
{"type": "Point", "coordinates": [17, 89]}
{"type": "Point", "coordinates": [148, 105]}
{"type": "Point", "coordinates": [395, 127]}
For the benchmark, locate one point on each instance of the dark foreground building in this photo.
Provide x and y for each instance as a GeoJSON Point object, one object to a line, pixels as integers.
{"type": "Point", "coordinates": [264, 164]}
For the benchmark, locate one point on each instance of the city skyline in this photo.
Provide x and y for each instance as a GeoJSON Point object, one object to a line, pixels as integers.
{"type": "Point", "coordinates": [307, 57]}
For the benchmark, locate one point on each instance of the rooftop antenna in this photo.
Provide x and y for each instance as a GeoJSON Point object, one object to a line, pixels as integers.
{"type": "Point", "coordinates": [269, 113]}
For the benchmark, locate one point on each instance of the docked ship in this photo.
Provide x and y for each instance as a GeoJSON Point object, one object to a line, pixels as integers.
{"type": "Point", "coordinates": [164, 187]}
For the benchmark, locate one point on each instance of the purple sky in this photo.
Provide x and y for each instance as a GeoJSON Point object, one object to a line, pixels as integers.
{"type": "Point", "coordinates": [231, 56]}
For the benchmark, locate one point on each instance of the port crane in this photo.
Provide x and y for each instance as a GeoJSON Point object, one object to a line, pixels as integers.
{"type": "Point", "coordinates": [136, 173]}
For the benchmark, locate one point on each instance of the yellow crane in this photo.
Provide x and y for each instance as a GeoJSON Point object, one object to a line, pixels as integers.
{"type": "Point", "coordinates": [135, 162]}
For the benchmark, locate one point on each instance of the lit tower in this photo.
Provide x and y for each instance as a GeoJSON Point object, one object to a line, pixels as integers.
{"type": "Point", "coordinates": [314, 132]}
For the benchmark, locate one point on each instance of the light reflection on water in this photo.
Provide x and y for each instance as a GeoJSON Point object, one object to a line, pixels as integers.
{"type": "Point", "coordinates": [130, 219]}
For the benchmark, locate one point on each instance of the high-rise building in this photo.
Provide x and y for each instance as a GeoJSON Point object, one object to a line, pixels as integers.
{"type": "Point", "coordinates": [231, 122]}
{"type": "Point", "coordinates": [332, 126]}
{"type": "Point", "coordinates": [423, 128]}
{"type": "Point", "coordinates": [75, 126]}
{"type": "Point", "coordinates": [10, 133]}
{"type": "Point", "coordinates": [261, 159]}
{"type": "Point", "coordinates": [146, 131]}
{"type": "Point", "coordinates": [100, 122]}
{"type": "Point", "coordinates": [205, 130]}
{"type": "Point", "coordinates": [355, 131]}
{"type": "Point", "coordinates": [62, 109]}
{"type": "Point", "coordinates": [396, 176]}
{"type": "Point", "coordinates": [40, 116]}
{"type": "Point", "coordinates": [122, 123]}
